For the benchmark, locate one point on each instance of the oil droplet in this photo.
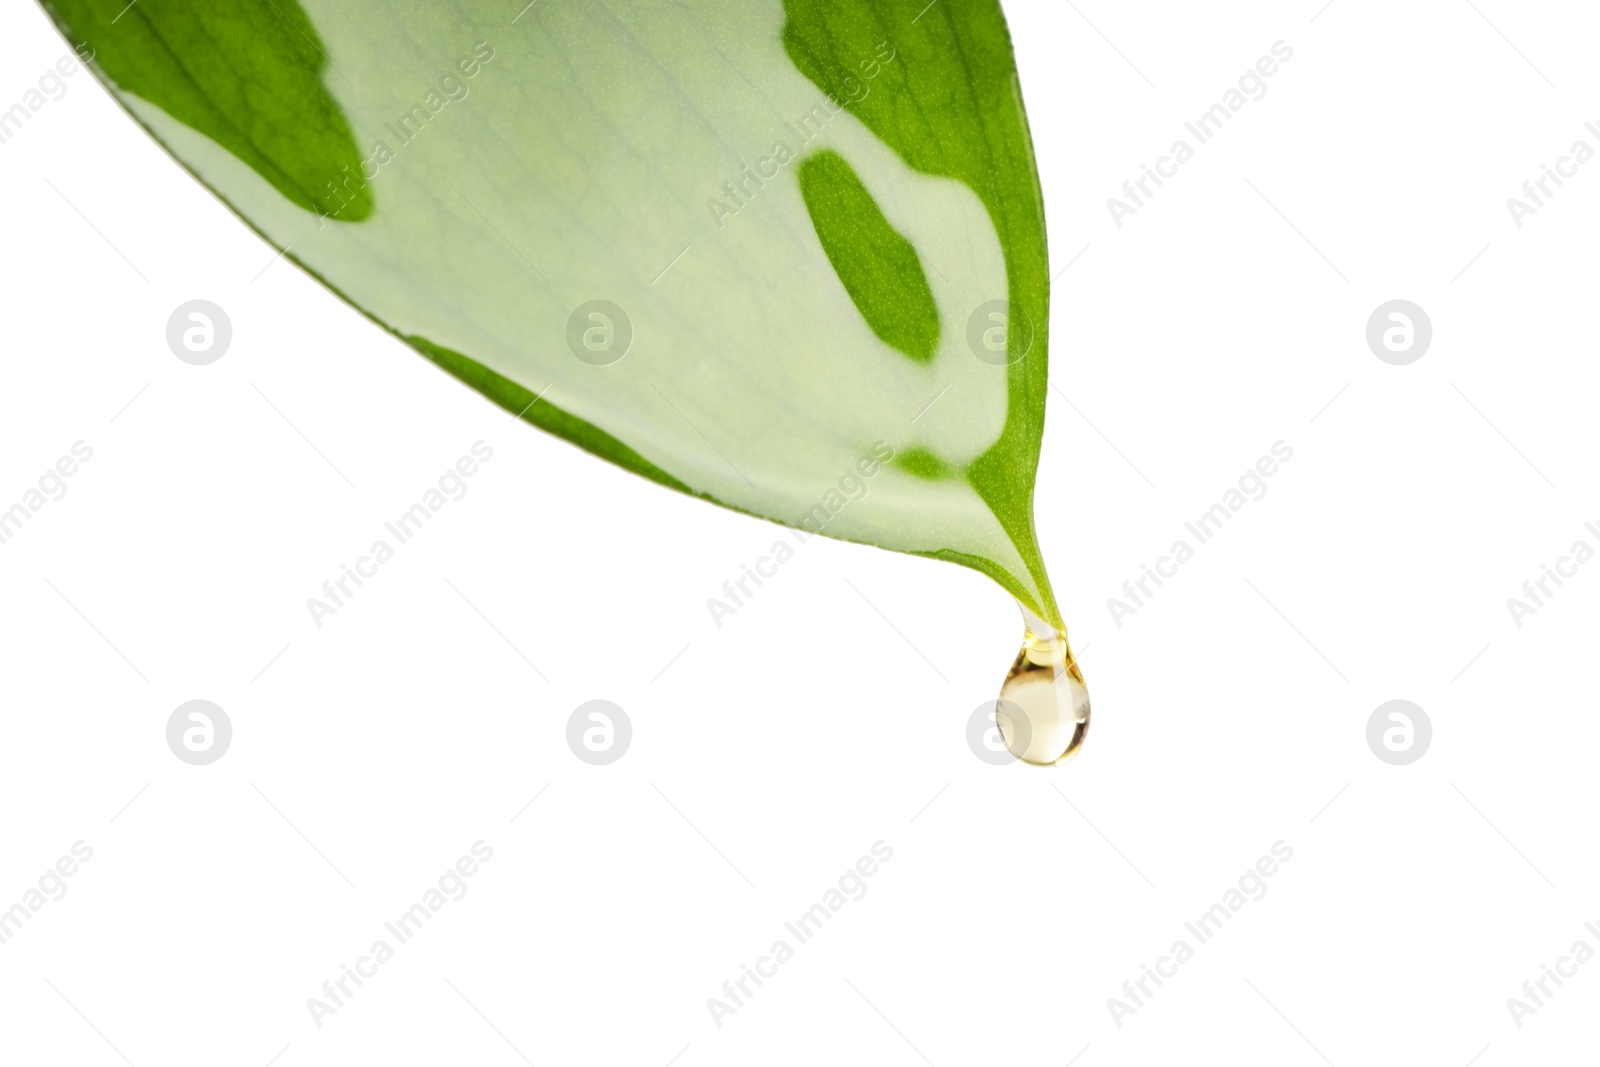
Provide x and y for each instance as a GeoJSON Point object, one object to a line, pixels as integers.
{"type": "Point", "coordinates": [1043, 711]}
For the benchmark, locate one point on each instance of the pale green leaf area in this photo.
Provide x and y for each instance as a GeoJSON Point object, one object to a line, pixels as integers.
{"type": "Point", "coordinates": [650, 153]}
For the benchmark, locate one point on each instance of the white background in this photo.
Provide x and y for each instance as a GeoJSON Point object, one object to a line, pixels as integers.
{"type": "Point", "coordinates": [1228, 314]}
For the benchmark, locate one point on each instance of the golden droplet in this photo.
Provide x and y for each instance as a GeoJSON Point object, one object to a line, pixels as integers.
{"type": "Point", "coordinates": [1043, 712]}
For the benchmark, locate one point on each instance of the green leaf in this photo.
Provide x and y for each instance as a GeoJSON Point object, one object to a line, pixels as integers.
{"type": "Point", "coordinates": [247, 74]}
{"type": "Point", "coordinates": [784, 255]}
{"type": "Point", "coordinates": [879, 268]}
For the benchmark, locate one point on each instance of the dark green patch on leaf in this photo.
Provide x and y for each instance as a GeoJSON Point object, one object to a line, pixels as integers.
{"type": "Point", "coordinates": [920, 463]}
{"type": "Point", "coordinates": [246, 73]}
{"type": "Point", "coordinates": [879, 268]}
